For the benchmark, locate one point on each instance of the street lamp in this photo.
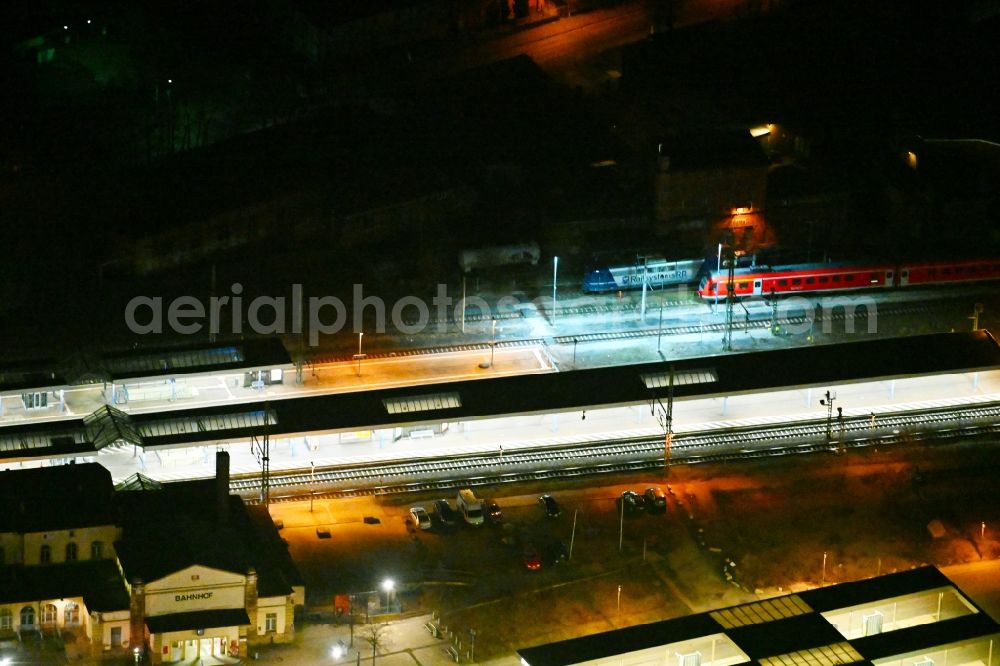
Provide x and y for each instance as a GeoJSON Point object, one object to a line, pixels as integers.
{"type": "Point", "coordinates": [135, 653]}
{"type": "Point", "coordinates": [338, 651]}
{"type": "Point", "coordinates": [718, 270]}
{"type": "Point", "coordinates": [388, 585]}
{"type": "Point", "coordinates": [659, 328]}
{"type": "Point", "coordinates": [555, 275]}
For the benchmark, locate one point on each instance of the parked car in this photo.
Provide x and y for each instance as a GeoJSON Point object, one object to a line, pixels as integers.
{"type": "Point", "coordinates": [420, 517]}
{"type": "Point", "coordinates": [529, 555]}
{"type": "Point", "coordinates": [630, 503]}
{"type": "Point", "coordinates": [445, 514]}
{"type": "Point", "coordinates": [493, 512]}
{"type": "Point", "coordinates": [550, 506]}
{"type": "Point", "coordinates": [470, 507]}
{"type": "Point", "coordinates": [656, 499]}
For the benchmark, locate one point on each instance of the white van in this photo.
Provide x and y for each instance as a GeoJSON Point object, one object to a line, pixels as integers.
{"type": "Point", "coordinates": [470, 506]}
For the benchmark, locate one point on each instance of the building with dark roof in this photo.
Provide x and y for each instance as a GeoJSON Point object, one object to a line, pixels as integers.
{"type": "Point", "coordinates": [183, 570]}
{"type": "Point", "coordinates": [713, 181]}
{"type": "Point", "coordinates": [59, 571]}
{"type": "Point", "coordinates": [908, 618]}
{"type": "Point", "coordinates": [324, 30]}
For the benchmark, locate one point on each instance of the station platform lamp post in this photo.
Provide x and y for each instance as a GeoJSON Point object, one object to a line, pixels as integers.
{"type": "Point", "coordinates": [493, 346]}
{"type": "Point", "coordinates": [360, 356]}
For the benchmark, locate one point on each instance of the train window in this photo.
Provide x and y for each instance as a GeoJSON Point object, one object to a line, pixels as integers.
{"type": "Point", "coordinates": [946, 271]}
{"type": "Point", "coordinates": [796, 280]}
{"type": "Point", "coordinates": [740, 286]}
{"type": "Point", "coordinates": [810, 280]}
{"type": "Point", "coordinates": [782, 283]}
{"type": "Point", "coordinates": [906, 273]}
{"type": "Point", "coordinates": [669, 267]}
{"type": "Point", "coordinates": [836, 278]}
{"type": "Point", "coordinates": [823, 279]}
{"type": "Point", "coordinates": [932, 272]}
{"type": "Point", "coordinates": [873, 277]}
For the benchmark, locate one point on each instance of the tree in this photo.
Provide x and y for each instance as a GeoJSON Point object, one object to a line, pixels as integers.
{"type": "Point", "coordinates": [376, 636]}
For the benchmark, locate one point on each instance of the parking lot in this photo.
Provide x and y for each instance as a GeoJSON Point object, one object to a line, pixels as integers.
{"type": "Point", "coordinates": [358, 555]}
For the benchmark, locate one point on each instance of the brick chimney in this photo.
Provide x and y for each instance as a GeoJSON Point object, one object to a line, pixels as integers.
{"type": "Point", "coordinates": [137, 616]}
{"type": "Point", "coordinates": [222, 487]}
{"type": "Point", "coordinates": [250, 603]}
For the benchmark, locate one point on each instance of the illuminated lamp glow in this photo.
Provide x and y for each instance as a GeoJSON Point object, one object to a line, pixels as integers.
{"type": "Point", "coordinates": [762, 130]}
{"type": "Point", "coordinates": [742, 210]}
{"type": "Point", "coordinates": [911, 159]}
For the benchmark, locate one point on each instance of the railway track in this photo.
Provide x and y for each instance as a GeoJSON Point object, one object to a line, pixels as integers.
{"type": "Point", "coordinates": [536, 463]}
{"type": "Point", "coordinates": [755, 320]}
{"type": "Point", "coordinates": [442, 349]}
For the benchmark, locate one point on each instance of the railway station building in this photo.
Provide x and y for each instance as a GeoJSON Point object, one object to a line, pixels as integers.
{"type": "Point", "coordinates": [913, 618]}
{"type": "Point", "coordinates": [181, 570]}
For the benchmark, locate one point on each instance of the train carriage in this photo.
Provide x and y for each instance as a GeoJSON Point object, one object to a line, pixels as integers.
{"type": "Point", "coordinates": [799, 278]}
{"type": "Point", "coordinates": [834, 277]}
{"type": "Point", "coordinates": [655, 272]}
{"type": "Point", "coordinates": [915, 274]}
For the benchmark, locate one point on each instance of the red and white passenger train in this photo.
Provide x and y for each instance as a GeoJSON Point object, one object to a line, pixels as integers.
{"type": "Point", "coordinates": [813, 278]}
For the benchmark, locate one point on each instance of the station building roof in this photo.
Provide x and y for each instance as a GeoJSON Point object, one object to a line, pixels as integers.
{"type": "Point", "coordinates": [712, 376]}
{"type": "Point", "coordinates": [153, 517]}
{"type": "Point", "coordinates": [55, 498]}
{"type": "Point", "coordinates": [99, 582]}
{"type": "Point", "coordinates": [788, 630]}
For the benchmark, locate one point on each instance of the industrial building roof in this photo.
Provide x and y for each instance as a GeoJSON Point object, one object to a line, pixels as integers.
{"type": "Point", "coordinates": [791, 637]}
{"type": "Point", "coordinates": [825, 599]}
